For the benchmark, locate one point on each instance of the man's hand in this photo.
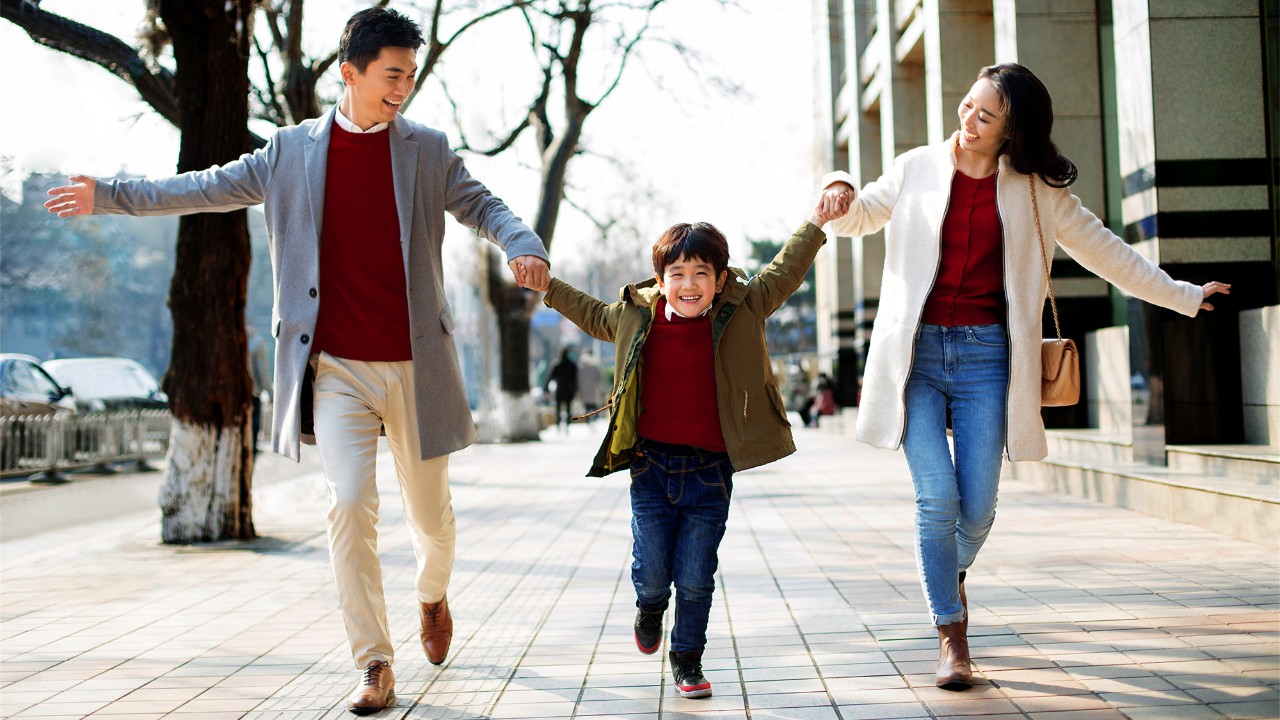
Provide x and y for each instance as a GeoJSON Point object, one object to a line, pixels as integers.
{"type": "Point", "coordinates": [832, 203]}
{"type": "Point", "coordinates": [531, 271]}
{"type": "Point", "coordinates": [74, 199]}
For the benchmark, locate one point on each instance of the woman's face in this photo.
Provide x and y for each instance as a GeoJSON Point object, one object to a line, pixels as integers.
{"type": "Point", "coordinates": [982, 119]}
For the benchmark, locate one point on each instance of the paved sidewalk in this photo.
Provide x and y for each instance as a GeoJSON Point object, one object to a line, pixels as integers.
{"type": "Point", "coordinates": [1079, 611]}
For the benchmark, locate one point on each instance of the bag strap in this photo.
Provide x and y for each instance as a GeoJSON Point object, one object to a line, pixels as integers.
{"type": "Point", "coordinates": [1035, 208]}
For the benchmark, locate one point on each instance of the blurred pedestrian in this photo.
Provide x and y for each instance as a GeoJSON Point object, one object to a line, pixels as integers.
{"type": "Point", "coordinates": [565, 376]}
{"type": "Point", "coordinates": [591, 389]}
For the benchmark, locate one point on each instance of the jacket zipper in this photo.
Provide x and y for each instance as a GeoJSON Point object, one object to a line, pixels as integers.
{"type": "Point", "coordinates": [1004, 284]}
{"type": "Point", "coordinates": [915, 335]}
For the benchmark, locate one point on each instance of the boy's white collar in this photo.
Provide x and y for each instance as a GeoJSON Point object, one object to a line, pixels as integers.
{"type": "Point", "coordinates": [672, 311]}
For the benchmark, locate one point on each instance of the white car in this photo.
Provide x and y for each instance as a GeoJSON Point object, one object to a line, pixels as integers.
{"type": "Point", "coordinates": [108, 383]}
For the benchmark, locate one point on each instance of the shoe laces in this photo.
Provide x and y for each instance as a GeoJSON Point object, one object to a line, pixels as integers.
{"type": "Point", "coordinates": [433, 612]}
{"type": "Point", "coordinates": [372, 673]}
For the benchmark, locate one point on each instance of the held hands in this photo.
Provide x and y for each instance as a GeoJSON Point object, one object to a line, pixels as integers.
{"type": "Point", "coordinates": [1211, 288]}
{"type": "Point", "coordinates": [833, 203]}
{"type": "Point", "coordinates": [74, 199]}
{"type": "Point", "coordinates": [531, 272]}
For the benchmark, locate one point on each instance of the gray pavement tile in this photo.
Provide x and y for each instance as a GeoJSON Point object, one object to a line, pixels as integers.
{"type": "Point", "coordinates": [1148, 699]}
{"type": "Point", "coordinates": [883, 711]}
{"type": "Point", "coordinates": [1176, 712]}
{"type": "Point", "coordinates": [1079, 715]}
{"type": "Point", "coordinates": [1248, 710]}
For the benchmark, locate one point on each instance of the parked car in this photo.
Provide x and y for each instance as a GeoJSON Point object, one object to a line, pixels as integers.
{"type": "Point", "coordinates": [108, 383]}
{"type": "Point", "coordinates": [27, 389]}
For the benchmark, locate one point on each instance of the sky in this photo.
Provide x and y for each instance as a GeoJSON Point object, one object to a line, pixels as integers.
{"type": "Point", "coordinates": [684, 150]}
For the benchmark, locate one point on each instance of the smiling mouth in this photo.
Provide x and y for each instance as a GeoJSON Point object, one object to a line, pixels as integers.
{"type": "Point", "coordinates": [968, 136]}
{"type": "Point", "coordinates": [393, 105]}
{"type": "Point", "coordinates": [690, 298]}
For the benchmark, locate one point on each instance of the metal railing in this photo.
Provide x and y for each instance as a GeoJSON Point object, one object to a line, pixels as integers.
{"type": "Point", "coordinates": [45, 445]}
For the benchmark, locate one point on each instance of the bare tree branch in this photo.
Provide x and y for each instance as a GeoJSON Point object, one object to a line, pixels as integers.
{"type": "Point", "coordinates": [273, 24]}
{"type": "Point", "coordinates": [628, 47]}
{"type": "Point", "coordinates": [437, 47]}
{"type": "Point", "coordinates": [270, 99]}
{"type": "Point", "coordinates": [154, 84]}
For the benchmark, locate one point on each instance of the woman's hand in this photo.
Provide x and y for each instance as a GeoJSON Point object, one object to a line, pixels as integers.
{"type": "Point", "coordinates": [1211, 288]}
{"type": "Point", "coordinates": [832, 203]}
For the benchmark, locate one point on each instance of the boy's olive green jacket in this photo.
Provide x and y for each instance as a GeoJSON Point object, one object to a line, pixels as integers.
{"type": "Point", "coordinates": [752, 417]}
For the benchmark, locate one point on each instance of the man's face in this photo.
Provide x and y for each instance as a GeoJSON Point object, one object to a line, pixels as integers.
{"type": "Point", "coordinates": [690, 285]}
{"type": "Point", "coordinates": [376, 94]}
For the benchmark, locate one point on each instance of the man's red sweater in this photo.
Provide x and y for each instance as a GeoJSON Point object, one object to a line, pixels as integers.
{"type": "Point", "coordinates": [364, 305]}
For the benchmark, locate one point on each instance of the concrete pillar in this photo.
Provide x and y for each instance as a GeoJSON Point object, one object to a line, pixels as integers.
{"type": "Point", "coordinates": [1193, 159]}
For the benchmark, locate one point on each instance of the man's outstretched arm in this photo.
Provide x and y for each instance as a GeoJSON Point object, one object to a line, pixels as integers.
{"type": "Point", "coordinates": [221, 188]}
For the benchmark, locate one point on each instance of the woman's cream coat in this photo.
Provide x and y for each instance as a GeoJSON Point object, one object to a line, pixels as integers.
{"type": "Point", "coordinates": [916, 194]}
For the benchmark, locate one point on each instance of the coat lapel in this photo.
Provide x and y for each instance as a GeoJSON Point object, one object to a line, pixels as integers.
{"type": "Point", "coordinates": [317, 161]}
{"type": "Point", "coordinates": [404, 172]}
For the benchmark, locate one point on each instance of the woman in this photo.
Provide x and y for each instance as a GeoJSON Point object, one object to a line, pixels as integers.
{"type": "Point", "coordinates": [958, 325]}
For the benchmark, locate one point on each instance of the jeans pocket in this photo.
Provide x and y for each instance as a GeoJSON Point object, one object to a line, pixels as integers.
{"type": "Point", "coordinates": [989, 336]}
{"type": "Point", "coordinates": [713, 478]}
{"type": "Point", "coordinates": [639, 464]}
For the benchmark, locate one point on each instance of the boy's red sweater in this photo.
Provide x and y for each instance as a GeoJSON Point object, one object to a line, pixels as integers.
{"type": "Point", "coordinates": [678, 403]}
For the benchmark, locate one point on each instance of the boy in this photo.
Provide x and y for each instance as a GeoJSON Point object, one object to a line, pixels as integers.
{"type": "Point", "coordinates": [694, 401]}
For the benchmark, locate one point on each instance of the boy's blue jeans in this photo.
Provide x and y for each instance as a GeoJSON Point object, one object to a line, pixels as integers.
{"type": "Point", "coordinates": [965, 368]}
{"type": "Point", "coordinates": [679, 507]}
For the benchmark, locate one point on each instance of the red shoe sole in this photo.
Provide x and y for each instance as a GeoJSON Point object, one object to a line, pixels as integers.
{"type": "Point", "coordinates": [648, 650]}
{"type": "Point", "coordinates": [694, 691]}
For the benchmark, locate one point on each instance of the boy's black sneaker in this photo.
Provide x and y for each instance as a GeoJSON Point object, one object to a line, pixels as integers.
{"type": "Point", "coordinates": [686, 668]}
{"type": "Point", "coordinates": [648, 631]}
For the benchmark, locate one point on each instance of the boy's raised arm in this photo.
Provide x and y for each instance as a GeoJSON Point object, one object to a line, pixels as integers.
{"type": "Point", "coordinates": [597, 319]}
{"type": "Point", "coordinates": [784, 274]}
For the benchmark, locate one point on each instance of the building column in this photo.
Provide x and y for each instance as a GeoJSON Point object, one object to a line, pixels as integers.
{"type": "Point", "coordinates": [1194, 165]}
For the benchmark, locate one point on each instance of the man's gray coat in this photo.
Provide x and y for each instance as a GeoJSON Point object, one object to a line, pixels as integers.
{"type": "Point", "coordinates": [288, 178]}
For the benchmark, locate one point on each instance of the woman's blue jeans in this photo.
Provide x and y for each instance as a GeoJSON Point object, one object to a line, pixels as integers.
{"type": "Point", "coordinates": [964, 369]}
{"type": "Point", "coordinates": [679, 507]}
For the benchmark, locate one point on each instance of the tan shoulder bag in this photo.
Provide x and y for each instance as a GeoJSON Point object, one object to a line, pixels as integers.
{"type": "Point", "coordinates": [1059, 358]}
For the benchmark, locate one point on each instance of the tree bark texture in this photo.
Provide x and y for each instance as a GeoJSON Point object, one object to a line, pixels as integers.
{"type": "Point", "coordinates": [206, 494]}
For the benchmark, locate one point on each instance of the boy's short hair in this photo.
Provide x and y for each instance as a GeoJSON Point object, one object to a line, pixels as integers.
{"type": "Point", "coordinates": [372, 29]}
{"type": "Point", "coordinates": [699, 241]}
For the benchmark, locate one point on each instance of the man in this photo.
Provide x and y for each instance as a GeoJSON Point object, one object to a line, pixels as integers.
{"type": "Point", "coordinates": [355, 205]}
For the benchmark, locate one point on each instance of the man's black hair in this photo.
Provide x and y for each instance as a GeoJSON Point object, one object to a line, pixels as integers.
{"type": "Point", "coordinates": [372, 29]}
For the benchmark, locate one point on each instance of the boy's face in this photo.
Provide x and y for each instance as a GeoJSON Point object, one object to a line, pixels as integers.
{"type": "Point", "coordinates": [375, 95]}
{"type": "Point", "coordinates": [690, 285]}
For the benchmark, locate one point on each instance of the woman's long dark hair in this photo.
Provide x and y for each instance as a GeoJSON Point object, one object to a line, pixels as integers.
{"type": "Point", "coordinates": [1029, 122]}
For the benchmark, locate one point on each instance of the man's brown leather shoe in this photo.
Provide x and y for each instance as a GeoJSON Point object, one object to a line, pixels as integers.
{"type": "Point", "coordinates": [437, 630]}
{"type": "Point", "coordinates": [377, 690]}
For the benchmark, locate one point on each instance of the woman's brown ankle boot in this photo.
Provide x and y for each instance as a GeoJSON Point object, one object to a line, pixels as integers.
{"type": "Point", "coordinates": [954, 672]}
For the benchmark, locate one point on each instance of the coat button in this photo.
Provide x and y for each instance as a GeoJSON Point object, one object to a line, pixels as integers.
{"type": "Point", "coordinates": [312, 292]}
{"type": "Point", "coordinates": [306, 339]}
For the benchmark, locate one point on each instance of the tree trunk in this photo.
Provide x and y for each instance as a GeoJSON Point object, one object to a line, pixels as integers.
{"type": "Point", "coordinates": [206, 492]}
{"type": "Point", "coordinates": [516, 414]}
{"type": "Point", "coordinates": [511, 416]}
